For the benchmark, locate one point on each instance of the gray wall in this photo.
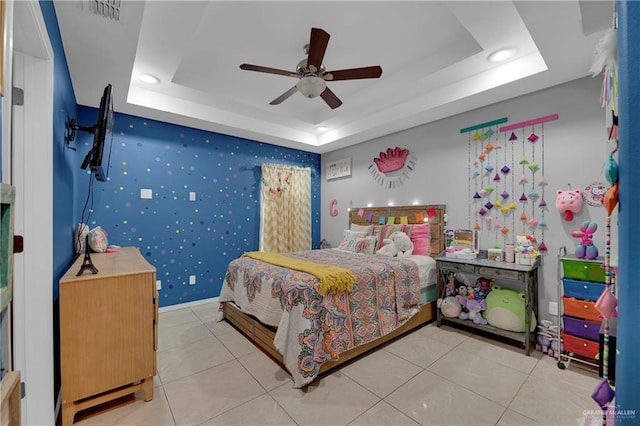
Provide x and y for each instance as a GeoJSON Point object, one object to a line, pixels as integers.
{"type": "Point", "coordinates": [575, 150]}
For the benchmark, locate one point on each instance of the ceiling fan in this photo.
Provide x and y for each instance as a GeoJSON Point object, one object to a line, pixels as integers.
{"type": "Point", "coordinates": [312, 75]}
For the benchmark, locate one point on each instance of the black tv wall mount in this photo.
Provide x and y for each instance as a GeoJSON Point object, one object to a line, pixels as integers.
{"type": "Point", "coordinates": [70, 128]}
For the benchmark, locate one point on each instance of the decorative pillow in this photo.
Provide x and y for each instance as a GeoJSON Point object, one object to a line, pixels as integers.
{"type": "Point", "coordinates": [353, 234]}
{"type": "Point", "coordinates": [98, 241]}
{"type": "Point", "coordinates": [421, 238]}
{"type": "Point", "coordinates": [362, 228]}
{"type": "Point", "coordinates": [366, 245]}
{"type": "Point", "coordinates": [349, 240]}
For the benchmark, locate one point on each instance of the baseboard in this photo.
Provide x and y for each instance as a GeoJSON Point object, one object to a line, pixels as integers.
{"type": "Point", "coordinates": [187, 304]}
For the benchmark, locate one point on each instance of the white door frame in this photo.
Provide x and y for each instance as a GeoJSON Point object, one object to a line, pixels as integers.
{"type": "Point", "coordinates": [32, 175]}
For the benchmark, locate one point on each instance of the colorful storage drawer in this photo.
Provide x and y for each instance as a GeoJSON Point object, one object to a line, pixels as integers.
{"type": "Point", "coordinates": [581, 328]}
{"type": "Point", "coordinates": [580, 308]}
{"type": "Point", "coordinates": [583, 270]}
{"type": "Point", "coordinates": [582, 289]}
{"type": "Point", "coordinates": [578, 346]}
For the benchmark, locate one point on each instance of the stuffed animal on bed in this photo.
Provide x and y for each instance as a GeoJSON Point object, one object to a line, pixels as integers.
{"type": "Point", "coordinates": [388, 248]}
{"type": "Point", "coordinates": [403, 243]}
{"type": "Point", "coordinates": [398, 244]}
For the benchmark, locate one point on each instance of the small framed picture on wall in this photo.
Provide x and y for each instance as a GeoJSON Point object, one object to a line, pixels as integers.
{"type": "Point", "coordinates": [339, 168]}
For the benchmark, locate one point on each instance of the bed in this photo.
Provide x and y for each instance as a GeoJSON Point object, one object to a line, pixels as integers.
{"type": "Point", "coordinates": [309, 329]}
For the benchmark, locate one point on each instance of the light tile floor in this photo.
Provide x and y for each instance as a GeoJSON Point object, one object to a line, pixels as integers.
{"type": "Point", "coordinates": [209, 374]}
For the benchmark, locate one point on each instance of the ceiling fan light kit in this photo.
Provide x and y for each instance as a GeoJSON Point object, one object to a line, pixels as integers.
{"type": "Point", "coordinates": [311, 86]}
{"type": "Point", "coordinates": [311, 74]}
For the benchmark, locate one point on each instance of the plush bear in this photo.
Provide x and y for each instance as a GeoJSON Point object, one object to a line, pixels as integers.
{"type": "Point", "coordinates": [403, 243]}
{"type": "Point", "coordinates": [398, 244]}
{"type": "Point", "coordinates": [388, 248]}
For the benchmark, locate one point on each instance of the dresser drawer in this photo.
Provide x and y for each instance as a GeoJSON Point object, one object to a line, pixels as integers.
{"type": "Point", "coordinates": [459, 267]}
{"type": "Point", "coordinates": [580, 308]}
{"type": "Point", "coordinates": [581, 328]}
{"type": "Point", "coordinates": [500, 273]}
{"type": "Point", "coordinates": [582, 289]}
{"type": "Point", "coordinates": [578, 346]}
{"type": "Point", "coordinates": [583, 270]}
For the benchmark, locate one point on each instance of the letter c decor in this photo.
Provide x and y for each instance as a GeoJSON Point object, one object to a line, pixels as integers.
{"type": "Point", "coordinates": [332, 208]}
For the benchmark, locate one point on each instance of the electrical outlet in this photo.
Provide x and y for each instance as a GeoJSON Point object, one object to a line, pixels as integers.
{"type": "Point", "coordinates": [553, 308]}
{"type": "Point", "coordinates": [158, 285]}
{"type": "Point", "coordinates": [192, 279]}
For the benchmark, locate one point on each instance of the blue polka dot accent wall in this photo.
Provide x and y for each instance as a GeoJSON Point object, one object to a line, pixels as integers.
{"type": "Point", "coordinates": [188, 198]}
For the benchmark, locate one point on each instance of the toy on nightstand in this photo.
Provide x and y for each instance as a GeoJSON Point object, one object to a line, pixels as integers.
{"type": "Point", "coordinates": [449, 307]}
{"type": "Point", "coordinates": [483, 287]}
{"type": "Point", "coordinates": [526, 252]}
{"type": "Point", "coordinates": [450, 287]}
{"type": "Point", "coordinates": [474, 308]}
{"type": "Point", "coordinates": [586, 248]}
{"type": "Point", "coordinates": [462, 296]}
{"type": "Point", "coordinates": [506, 309]}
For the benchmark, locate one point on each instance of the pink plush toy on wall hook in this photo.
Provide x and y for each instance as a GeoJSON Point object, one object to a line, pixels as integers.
{"type": "Point", "coordinates": [586, 248]}
{"type": "Point", "coordinates": [569, 202]}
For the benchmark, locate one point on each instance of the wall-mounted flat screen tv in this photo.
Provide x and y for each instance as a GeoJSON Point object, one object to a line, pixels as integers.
{"type": "Point", "coordinates": [102, 138]}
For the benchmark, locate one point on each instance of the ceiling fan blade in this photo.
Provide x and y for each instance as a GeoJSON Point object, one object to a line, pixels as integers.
{"type": "Point", "coordinates": [284, 96]}
{"type": "Point", "coordinates": [317, 47]}
{"type": "Point", "coordinates": [259, 68]}
{"type": "Point", "coordinates": [330, 98]}
{"type": "Point", "coordinates": [354, 73]}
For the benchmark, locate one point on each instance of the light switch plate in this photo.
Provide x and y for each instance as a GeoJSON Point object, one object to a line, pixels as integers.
{"type": "Point", "coordinates": [192, 279]}
{"type": "Point", "coordinates": [146, 194]}
{"type": "Point", "coordinates": [192, 196]}
{"type": "Point", "coordinates": [158, 285]}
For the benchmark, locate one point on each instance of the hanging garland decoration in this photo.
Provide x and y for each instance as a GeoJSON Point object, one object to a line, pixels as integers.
{"type": "Point", "coordinates": [542, 182]}
{"type": "Point", "coordinates": [504, 195]}
{"type": "Point", "coordinates": [523, 181]}
{"type": "Point", "coordinates": [469, 179]}
{"type": "Point", "coordinates": [533, 163]}
{"type": "Point", "coordinates": [497, 204]}
{"type": "Point", "coordinates": [481, 153]}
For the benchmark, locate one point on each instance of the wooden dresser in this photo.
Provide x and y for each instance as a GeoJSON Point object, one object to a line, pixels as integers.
{"type": "Point", "coordinates": [108, 330]}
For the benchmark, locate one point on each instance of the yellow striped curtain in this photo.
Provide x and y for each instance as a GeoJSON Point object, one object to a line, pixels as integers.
{"type": "Point", "coordinates": [285, 208]}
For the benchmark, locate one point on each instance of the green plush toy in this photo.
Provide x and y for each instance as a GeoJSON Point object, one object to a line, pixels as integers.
{"type": "Point", "coordinates": [506, 309]}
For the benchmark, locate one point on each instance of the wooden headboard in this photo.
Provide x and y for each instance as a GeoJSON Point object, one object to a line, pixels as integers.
{"type": "Point", "coordinates": [372, 215]}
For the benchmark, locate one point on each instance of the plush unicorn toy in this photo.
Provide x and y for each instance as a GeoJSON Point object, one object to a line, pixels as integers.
{"type": "Point", "coordinates": [586, 248]}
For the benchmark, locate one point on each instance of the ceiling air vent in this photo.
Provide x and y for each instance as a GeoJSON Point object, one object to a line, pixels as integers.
{"type": "Point", "coordinates": [109, 9]}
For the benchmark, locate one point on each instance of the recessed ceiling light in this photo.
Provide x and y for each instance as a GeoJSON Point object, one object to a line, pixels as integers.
{"type": "Point", "coordinates": [148, 78]}
{"type": "Point", "coordinates": [322, 128]}
{"type": "Point", "coordinates": [501, 55]}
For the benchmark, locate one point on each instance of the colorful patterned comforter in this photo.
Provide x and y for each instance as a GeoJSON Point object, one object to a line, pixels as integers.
{"type": "Point", "coordinates": [313, 329]}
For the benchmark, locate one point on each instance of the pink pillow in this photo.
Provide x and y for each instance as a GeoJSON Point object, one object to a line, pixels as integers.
{"type": "Point", "coordinates": [420, 237]}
